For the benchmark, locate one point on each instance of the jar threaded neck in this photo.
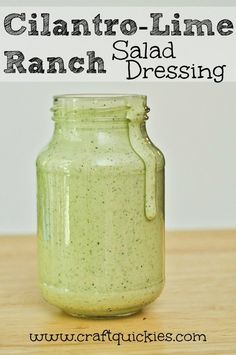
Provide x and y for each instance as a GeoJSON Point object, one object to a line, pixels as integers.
{"type": "Point", "coordinates": [95, 107]}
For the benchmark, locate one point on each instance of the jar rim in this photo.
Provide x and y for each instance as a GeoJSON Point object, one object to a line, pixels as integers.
{"type": "Point", "coordinates": [97, 96]}
{"type": "Point", "coordinates": [101, 100]}
{"type": "Point", "coordinates": [118, 106]}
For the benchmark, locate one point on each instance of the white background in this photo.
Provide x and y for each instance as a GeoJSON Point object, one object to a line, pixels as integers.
{"type": "Point", "coordinates": [206, 51]}
{"type": "Point", "coordinates": [193, 124]}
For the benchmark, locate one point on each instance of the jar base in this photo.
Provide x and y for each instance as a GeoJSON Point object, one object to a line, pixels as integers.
{"type": "Point", "coordinates": [86, 305]}
{"type": "Point", "coordinates": [108, 316]}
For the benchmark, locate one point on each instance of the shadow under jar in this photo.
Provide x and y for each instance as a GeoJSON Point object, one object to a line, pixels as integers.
{"type": "Point", "coordinates": [100, 207]}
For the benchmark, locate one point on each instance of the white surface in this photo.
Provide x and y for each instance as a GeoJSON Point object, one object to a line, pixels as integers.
{"type": "Point", "coordinates": [193, 124]}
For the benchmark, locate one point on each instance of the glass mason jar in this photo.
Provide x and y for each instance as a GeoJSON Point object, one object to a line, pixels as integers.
{"type": "Point", "coordinates": [100, 207]}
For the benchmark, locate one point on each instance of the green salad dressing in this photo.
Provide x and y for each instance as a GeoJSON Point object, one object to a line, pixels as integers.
{"type": "Point", "coordinates": [100, 208]}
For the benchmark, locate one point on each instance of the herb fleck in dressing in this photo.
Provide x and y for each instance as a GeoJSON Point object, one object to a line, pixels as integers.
{"type": "Point", "coordinates": [100, 208]}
